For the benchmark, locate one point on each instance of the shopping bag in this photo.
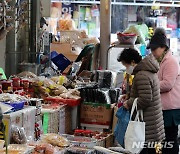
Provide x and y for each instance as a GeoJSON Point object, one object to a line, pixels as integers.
{"type": "Point", "coordinates": [135, 133]}
{"type": "Point", "coordinates": [123, 116]}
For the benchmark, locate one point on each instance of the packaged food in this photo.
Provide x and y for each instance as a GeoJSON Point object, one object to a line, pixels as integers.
{"type": "Point", "coordinates": [18, 135]}
{"type": "Point", "coordinates": [55, 140]}
{"type": "Point", "coordinates": [27, 74]}
{"type": "Point", "coordinates": [44, 148]}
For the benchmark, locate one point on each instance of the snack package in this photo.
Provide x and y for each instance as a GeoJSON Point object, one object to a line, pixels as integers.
{"type": "Point", "coordinates": [104, 78]}
{"type": "Point", "coordinates": [18, 135]}
{"type": "Point", "coordinates": [55, 140]}
{"type": "Point", "coordinates": [67, 24]}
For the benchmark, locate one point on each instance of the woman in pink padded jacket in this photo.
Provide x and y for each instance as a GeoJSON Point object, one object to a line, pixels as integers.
{"type": "Point", "coordinates": [169, 77]}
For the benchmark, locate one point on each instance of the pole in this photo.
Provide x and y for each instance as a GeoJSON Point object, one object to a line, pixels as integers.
{"type": "Point", "coordinates": [105, 30]}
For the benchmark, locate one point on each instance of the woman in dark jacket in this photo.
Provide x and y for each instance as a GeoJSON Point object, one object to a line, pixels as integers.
{"type": "Point", "coordinates": [146, 88]}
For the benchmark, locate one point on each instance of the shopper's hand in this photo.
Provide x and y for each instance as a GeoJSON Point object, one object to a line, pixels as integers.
{"type": "Point", "coordinates": [125, 105]}
{"type": "Point", "coordinates": [123, 98]}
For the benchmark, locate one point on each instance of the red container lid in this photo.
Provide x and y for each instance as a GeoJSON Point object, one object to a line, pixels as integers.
{"type": "Point", "coordinates": [79, 131]}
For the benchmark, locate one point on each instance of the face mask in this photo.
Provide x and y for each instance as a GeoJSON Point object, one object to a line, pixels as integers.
{"type": "Point", "coordinates": [129, 70]}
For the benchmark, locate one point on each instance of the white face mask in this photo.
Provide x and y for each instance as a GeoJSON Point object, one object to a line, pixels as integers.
{"type": "Point", "coordinates": [129, 70]}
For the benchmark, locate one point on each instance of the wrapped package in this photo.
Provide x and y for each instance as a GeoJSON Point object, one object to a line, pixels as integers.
{"type": "Point", "coordinates": [44, 148]}
{"type": "Point", "coordinates": [18, 135]}
{"type": "Point", "coordinates": [96, 95]}
{"type": "Point", "coordinates": [104, 78]}
{"type": "Point", "coordinates": [66, 24]}
{"type": "Point", "coordinates": [29, 122]}
{"type": "Point", "coordinates": [27, 74]}
{"type": "Point", "coordinates": [114, 95]}
{"type": "Point", "coordinates": [71, 94]}
{"type": "Point", "coordinates": [55, 140]}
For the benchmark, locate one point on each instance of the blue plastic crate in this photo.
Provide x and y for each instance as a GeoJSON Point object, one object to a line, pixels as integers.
{"type": "Point", "coordinates": [16, 105]}
{"type": "Point", "coordinates": [61, 62]}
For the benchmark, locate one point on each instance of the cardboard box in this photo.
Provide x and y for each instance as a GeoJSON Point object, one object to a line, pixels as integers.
{"type": "Point", "coordinates": [14, 118]}
{"type": "Point", "coordinates": [97, 114]}
{"type": "Point", "coordinates": [65, 49]}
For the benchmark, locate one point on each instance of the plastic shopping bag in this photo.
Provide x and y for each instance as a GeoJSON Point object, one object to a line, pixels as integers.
{"type": "Point", "coordinates": [123, 116]}
{"type": "Point", "coordinates": [135, 133]}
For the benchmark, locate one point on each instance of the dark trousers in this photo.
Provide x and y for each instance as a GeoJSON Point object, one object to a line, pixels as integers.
{"type": "Point", "coordinates": [171, 136]}
{"type": "Point", "coordinates": [148, 151]}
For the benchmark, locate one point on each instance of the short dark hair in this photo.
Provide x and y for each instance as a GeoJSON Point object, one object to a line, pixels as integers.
{"type": "Point", "coordinates": [129, 55]}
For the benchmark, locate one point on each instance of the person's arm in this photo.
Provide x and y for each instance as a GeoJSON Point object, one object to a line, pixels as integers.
{"type": "Point", "coordinates": [169, 76]}
{"type": "Point", "coordinates": [144, 91]}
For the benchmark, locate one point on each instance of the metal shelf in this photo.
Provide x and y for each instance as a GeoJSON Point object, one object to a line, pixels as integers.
{"type": "Point", "coordinates": [165, 3]}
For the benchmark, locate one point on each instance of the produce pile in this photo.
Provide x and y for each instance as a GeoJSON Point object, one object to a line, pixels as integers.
{"type": "Point", "coordinates": [50, 144]}
{"type": "Point", "coordinates": [11, 98]}
{"type": "Point", "coordinates": [54, 87]}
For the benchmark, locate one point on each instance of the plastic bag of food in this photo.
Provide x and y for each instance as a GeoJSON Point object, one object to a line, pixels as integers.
{"type": "Point", "coordinates": [55, 140]}
{"type": "Point", "coordinates": [67, 24]}
{"type": "Point", "coordinates": [49, 84]}
{"type": "Point", "coordinates": [140, 30]}
{"type": "Point", "coordinates": [18, 135]}
{"type": "Point", "coordinates": [44, 148]}
{"type": "Point", "coordinates": [27, 74]}
{"type": "Point", "coordinates": [69, 96]}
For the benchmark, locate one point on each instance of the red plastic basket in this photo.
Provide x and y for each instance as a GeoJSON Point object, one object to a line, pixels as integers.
{"type": "Point", "coordinates": [127, 38]}
{"type": "Point", "coordinates": [69, 102]}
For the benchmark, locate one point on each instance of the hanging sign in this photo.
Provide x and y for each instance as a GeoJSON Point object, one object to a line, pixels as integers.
{"type": "Point", "coordinates": [67, 7]}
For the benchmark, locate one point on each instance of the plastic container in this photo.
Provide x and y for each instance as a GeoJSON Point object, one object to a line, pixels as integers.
{"type": "Point", "coordinates": [129, 39]}
{"type": "Point", "coordinates": [69, 102]}
{"type": "Point", "coordinates": [7, 86]}
{"type": "Point", "coordinates": [78, 132]}
{"type": "Point", "coordinates": [87, 133]}
{"type": "Point", "coordinates": [81, 141]}
{"type": "Point", "coordinates": [16, 82]}
{"type": "Point", "coordinates": [61, 62]}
